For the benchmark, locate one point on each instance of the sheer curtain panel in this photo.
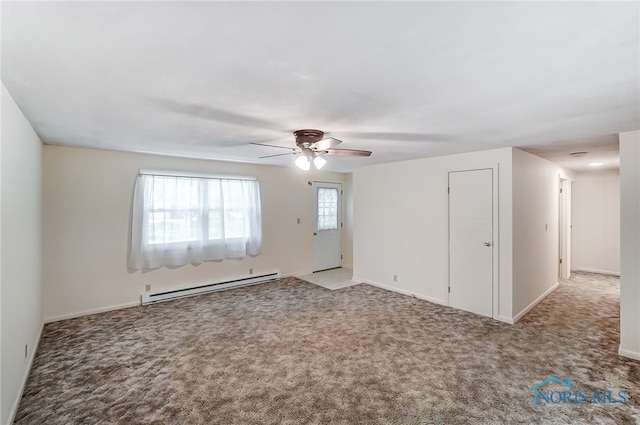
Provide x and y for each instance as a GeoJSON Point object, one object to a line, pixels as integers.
{"type": "Point", "coordinates": [179, 220]}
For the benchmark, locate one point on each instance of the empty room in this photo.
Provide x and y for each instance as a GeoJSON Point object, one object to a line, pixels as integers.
{"type": "Point", "coordinates": [320, 212]}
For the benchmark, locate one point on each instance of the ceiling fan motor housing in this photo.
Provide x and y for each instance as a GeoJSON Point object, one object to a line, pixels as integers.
{"type": "Point", "coordinates": [306, 137]}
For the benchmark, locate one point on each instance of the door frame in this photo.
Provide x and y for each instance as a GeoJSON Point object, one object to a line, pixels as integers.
{"type": "Point", "coordinates": [495, 234]}
{"type": "Point", "coordinates": [314, 193]}
{"type": "Point", "coordinates": [564, 227]}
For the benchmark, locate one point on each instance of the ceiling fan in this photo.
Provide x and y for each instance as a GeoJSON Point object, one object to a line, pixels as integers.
{"type": "Point", "coordinates": [311, 145]}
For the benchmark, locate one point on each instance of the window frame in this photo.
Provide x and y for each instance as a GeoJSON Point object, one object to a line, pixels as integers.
{"type": "Point", "coordinates": [203, 219]}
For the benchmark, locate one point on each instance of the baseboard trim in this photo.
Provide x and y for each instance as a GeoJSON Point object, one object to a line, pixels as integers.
{"type": "Point", "coordinates": [400, 291]}
{"type": "Point", "coordinates": [90, 312]}
{"type": "Point", "coordinates": [357, 279]}
{"type": "Point", "coordinates": [119, 306]}
{"type": "Point", "coordinates": [34, 350]}
{"type": "Point", "coordinates": [298, 274]}
{"type": "Point", "coordinates": [534, 303]}
{"type": "Point", "coordinates": [506, 319]}
{"type": "Point", "coordinates": [629, 353]}
{"type": "Point", "coordinates": [582, 269]}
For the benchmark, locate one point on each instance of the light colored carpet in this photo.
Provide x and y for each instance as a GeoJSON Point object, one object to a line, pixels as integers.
{"type": "Point", "coordinates": [290, 352]}
{"type": "Point", "coordinates": [331, 279]}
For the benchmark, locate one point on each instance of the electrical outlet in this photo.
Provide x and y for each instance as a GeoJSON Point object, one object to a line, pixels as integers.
{"type": "Point", "coordinates": [250, 271]}
{"type": "Point", "coordinates": [147, 288]}
{"type": "Point", "coordinates": [26, 350]}
{"type": "Point", "coordinates": [395, 277]}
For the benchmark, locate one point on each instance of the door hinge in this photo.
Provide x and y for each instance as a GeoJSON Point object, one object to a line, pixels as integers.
{"type": "Point", "coordinates": [560, 190]}
{"type": "Point", "coordinates": [561, 261]}
{"type": "Point", "coordinates": [448, 190]}
{"type": "Point", "coordinates": [341, 192]}
{"type": "Point", "coordinates": [341, 257]}
{"type": "Point", "coordinates": [449, 289]}
{"type": "Point", "coordinates": [341, 224]}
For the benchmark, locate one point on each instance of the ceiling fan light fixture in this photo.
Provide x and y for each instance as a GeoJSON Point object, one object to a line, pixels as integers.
{"type": "Point", "coordinates": [303, 163]}
{"type": "Point", "coordinates": [319, 162]}
{"type": "Point", "coordinates": [311, 147]}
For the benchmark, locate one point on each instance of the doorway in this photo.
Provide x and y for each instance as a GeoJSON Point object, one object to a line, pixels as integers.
{"type": "Point", "coordinates": [471, 240]}
{"type": "Point", "coordinates": [564, 229]}
{"type": "Point", "coordinates": [327, 231]}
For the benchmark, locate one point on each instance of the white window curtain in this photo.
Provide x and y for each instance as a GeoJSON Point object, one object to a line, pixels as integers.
{"type": "Point", "coordinates": [178, 220]}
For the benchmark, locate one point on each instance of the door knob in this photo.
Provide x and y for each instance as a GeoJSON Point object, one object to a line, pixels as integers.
{"type": "Point", "coordinates": [487, 243]}
{"type": "Point", "coordinates": [315, 233]}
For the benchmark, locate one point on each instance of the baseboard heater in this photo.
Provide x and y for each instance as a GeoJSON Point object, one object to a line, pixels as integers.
{"type": "Point", "coordinates": [151, 298]}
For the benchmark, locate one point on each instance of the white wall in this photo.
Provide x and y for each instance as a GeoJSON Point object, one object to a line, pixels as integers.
{"type": "Point", "coordinates": [20, 284]}
{"type": "Point", "coordinates": [596, 222]}
{"type": "Point", "coordinates": [630, 244]}
{"type": "Point", "coordinates": [347, 217]}
{"type": "Point", "coordinates": [535, 229]}
{"type": "Point", "coordinates": [87, 208]}
{"type": "Point", "coordinates": [400, 222]}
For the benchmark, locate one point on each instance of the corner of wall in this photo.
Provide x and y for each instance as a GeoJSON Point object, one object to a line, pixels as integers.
{"type": "Point", "coordinates": [630, 244]}
{"type": "Point", "coordinates": [20, 229]}
{"type": "Point", "coordinates": [535, 230]}
{"type": "Point", "coordinates": [347, 235]}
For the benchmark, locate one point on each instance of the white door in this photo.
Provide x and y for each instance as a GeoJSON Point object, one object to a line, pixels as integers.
{"type": "Point", "coordinates": [564, 228]}
{"type": "Point", "coordinates": [327, 232]}
{"type": "Point", "coordinates": [561, 231]}
{"type": "Point", "coordinates": [471, 241]}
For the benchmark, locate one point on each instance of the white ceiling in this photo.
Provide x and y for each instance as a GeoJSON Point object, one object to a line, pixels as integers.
{"type": "Point", "coordinates": [405, 80]}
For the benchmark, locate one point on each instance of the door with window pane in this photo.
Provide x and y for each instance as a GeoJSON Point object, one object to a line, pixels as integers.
{"type": "Point", "coordinates": [327, 234]}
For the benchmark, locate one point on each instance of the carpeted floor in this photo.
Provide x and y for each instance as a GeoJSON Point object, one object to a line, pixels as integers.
{"type": "Point", "coordinates": [290, 352]}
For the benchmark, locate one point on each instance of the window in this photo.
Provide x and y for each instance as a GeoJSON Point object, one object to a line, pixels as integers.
{"type": "Point", "coordinates": [180, 219]}
{"type": "Point", "coordinates": [327, 208]}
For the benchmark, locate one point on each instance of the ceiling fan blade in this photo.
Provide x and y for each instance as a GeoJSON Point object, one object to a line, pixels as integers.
{"type": "Point", "coordinates": [216, 114]}
{"type": "Point", "coordinates": [408, 137]}
{"type": "Point", "coordinates": [347, 152]}
{"type": "Point", "coordinates": [273, 146]}
{"type": "Point", "coordinates": [278, 154]}
{"type": "Point", "coordinates": [327, 143]}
